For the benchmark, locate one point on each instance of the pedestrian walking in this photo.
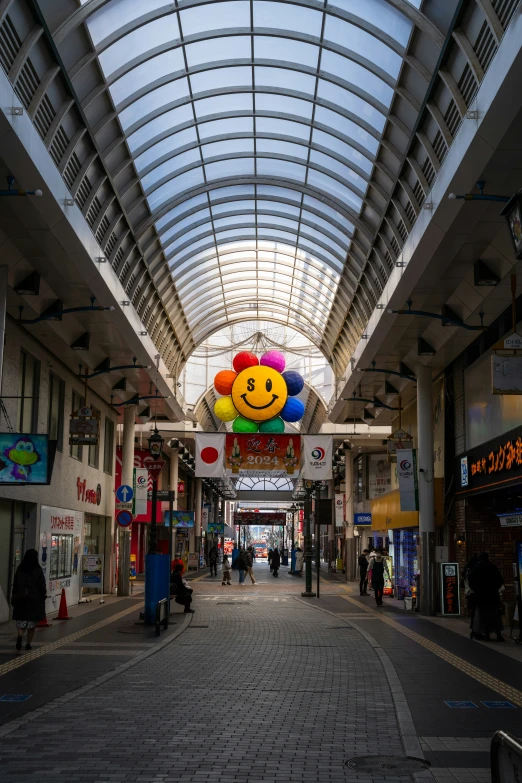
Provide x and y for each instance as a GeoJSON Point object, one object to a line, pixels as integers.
{"type": "Point", "coordinates": [250, 564]}
{"type": "Point", "coordinates": [363, 572]}
{"type": "Point", "coordinates": [180, 590]}
{"type": "Point", "coordinates": [226, 571]}
{"type": "Point", "coordinates": [241, 565]}
{"type": "Point", "coordinates": [299, 561]}
{"type": "Point", "coordinates": [470, 595]}
{"type": "Point", "coordinates": [212, 559]}
{"type": "Point", "coordinates": [487, 584]}
{"type": "Point", "coordinates": [269, 557]}
{"type": "Point", "coordinates": [28, 597]}
{"type": "Point", "coordinates": [275, 562]}
{"type": "Point", "coordinates": [377, 569]}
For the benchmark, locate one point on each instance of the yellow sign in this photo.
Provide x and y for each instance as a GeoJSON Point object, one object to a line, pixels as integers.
{"type": "Point", "coordinates": [387, 514]}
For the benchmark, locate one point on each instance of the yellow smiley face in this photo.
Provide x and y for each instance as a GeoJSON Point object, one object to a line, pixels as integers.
{"type": "Point", "coordinates": [259, 393]}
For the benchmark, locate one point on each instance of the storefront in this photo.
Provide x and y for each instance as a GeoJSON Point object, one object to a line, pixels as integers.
{"type": "Point", "coordinates": [17, 533]}
{"type": "Point", "coordinates": [489, 503]}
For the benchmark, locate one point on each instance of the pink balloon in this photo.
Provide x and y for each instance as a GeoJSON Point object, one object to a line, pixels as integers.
{"type": "Point", "coordinates": [273, 359]}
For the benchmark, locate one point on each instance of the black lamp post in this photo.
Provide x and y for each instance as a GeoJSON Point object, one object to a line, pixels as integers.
{"type": "Point", "coordinates": [155, 449]}
{"type": "Point", "coordinates": [293, 508]}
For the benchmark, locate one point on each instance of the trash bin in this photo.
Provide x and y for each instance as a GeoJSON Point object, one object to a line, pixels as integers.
{"type": "Point", "coordinates": [408, 603]}
{"type": "Point", "coordinates": [339, 564]}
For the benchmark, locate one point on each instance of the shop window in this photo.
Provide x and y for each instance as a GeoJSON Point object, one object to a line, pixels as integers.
{"type": "Point", "coordinates": [61, 556]}
{"type": "Point", "coordinates": [56, 410]}
{"type": "Point", "coordinates": [108, 446]}
{"type": "Point", "coordinates": [29, 383]}
{"type": "Point", "coordinates": [94, 451]}
{"type": "Point", "coordinates": [77, 402]}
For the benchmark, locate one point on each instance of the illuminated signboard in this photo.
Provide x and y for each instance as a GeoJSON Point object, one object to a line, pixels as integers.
{"type": "Point", "coordinates": [450, 588]}
{"type": "Point", "coordinates": [497, 462]}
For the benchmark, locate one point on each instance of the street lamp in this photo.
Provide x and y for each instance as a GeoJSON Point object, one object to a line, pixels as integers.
{"type": "Point", "coordinates": [155, 450]}
{"type": "Point", "coordinates": [309, 487]}
{"type": "Point", "coordinates": [293, 509]}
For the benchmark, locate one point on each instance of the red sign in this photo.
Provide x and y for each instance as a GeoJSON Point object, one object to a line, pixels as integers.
{"type": "Point", "coordinates": [155, 468]}
{"type": "Point", "coordinates": [124, 518]}
{"type": "Point", "coordinates": [181, 487]}
{"type": "Point", "coordinates": [263, 452]}
{"type": "Point", "coordinates": [92, 496]}
{"type": "Point", "coordinates": [259, 518]}
{"type": "Point", "coordinates": [142, 459]}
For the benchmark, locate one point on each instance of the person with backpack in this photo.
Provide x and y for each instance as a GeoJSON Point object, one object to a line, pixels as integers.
{"type": "Point", "coordinates": [226, 571]}
{"type": "Point", "coordinates": [377, 570]}
{"type": "Point", "coordinates": [241, 565]}
{"type": "Point", "coordinates": [28, 597]}
{"type": "Point", "coordinates": [275, 562]}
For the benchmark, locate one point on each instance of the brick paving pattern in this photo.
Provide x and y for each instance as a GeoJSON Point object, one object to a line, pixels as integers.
{"type": "Point", "coordinates": [267, 690]}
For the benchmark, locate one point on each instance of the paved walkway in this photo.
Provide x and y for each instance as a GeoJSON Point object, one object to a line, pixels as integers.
{"type": "Point", "coordinates": [262, 685]}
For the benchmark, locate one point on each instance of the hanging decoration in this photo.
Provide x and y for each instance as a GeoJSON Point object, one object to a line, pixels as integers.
{"type": "Point", "coordinates": [258, 396]}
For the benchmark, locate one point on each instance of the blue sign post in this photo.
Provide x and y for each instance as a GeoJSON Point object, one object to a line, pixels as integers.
{"type": "Point", "coordinates": [124, 494]}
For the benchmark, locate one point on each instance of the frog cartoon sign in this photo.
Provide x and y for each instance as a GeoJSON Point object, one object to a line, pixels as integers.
{"type": "Point", "coordinates": [23, 458]}
{"type": "Point", "coordinates": [258, 396]}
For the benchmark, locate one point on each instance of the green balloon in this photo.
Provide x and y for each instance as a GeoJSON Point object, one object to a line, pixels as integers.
{"type": "Point", "coordinates": [244, 425]}
{"type": "Point", "coordinates": [276, 425]}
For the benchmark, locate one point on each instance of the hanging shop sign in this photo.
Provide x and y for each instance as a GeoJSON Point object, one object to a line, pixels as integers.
{"type": "Point", "coordinates": [339, 509]}
{"type": "Point", "coordinates": [216, 528]}
{"type": "Point", "coordinates": [362, 519]}
{"type": "Point", "coordinates": [506, 373]}
{"type": "Point", "coordinates": [317, 457]}
{"type": "Point", "coordinates": [258, 396]}
{"type": "Point", "coordinates": [510, 520]}
{"type": "Point", "coordinates": [497, 462]}
{"type": "Point", "coordinates": [140, 488]}
{"type": "Point", "coordinates": [84, 428]}
{"type": "Point", "coordinates": [398, 440]}
{"type": "Point", "coordinates": [252, 454]}
{"type": "Point", "coordinates": [181, 519]}
{"type": "Point", "coordinates": [259, 518]}
{"type": "Point", "coordinates": [407, 476]}
{"type": "Point", "coordinates": [181, 487]}
{"type": "Point", "coordinates": [450, 588]}
{"type": "Point", "coordinates": [23, 458]}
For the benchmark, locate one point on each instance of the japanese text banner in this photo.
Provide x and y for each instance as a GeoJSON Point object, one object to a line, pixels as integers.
{"type": "Point", "coordinates": [259, 452]}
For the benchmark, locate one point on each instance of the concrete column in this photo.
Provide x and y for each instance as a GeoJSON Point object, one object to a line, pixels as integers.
{"type": "Point", "coordinates": [350, 539]}
{"type": "Point", "coordinates": [3, 309]}
{"type": "Point", "coordinates": [426, 489]}
{"type": "Point", "coordinates": [127, 468]}
{"type": "Point", "coordinates": [198, 512]}
{"type": "Point", "coordinates": [173, 485]}
{"type": "Point", "coordinates": [331, 528]}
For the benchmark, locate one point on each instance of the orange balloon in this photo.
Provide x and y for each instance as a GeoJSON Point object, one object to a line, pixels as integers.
{"type": "Point", "coordinates": [224, 380]}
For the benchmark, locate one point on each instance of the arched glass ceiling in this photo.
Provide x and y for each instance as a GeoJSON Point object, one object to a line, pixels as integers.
{"type": "Point", "coordinates": [254, 126]}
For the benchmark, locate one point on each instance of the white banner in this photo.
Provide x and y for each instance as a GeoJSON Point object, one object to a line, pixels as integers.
{"type": "Point", "coordinates": [407, 475]}
{"type": "Point", "coordinates": [379, 476]}
{"type": "Point", "coordinates": [317, 457]}
{"type": "Point", "coordinates": [141, 485]}
{"type": "Point", "coordinates": [210, 454]}
{"type": "Point", "coordinates": [339, 509]}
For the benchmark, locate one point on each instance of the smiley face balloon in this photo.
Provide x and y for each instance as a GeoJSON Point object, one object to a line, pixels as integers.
{"type": "Point", "coordinates": [259, 392]}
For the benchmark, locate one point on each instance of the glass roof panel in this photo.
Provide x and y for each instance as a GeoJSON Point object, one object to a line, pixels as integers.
{"type": "Point", "coordinates": [285, 111]}
{"type": "Point", "coordinates": [215, 16]}
{"type": "Point", "coordinates": [140, 41]}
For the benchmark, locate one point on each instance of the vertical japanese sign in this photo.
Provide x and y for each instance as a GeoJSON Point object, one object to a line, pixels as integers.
{"type": "Point", "coordinates": [407, 475]}
{"type": "Point", "coordinates": [141, 485]}
{"type": "Point", "coordinates": [450, 588]}
{"type": "Point", "coordinates": [339, 509]}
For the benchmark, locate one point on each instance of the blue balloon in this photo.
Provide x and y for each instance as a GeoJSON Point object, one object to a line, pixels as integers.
{"type": "Point", "coordinates": [293, 410]}
{"type": "Point", "coordinates": [294, 382]}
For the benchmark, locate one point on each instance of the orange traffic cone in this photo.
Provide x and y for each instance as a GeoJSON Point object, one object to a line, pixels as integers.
{"type": "Point", "coordinates": [43, 623]}
{"type": "Point", "coordinates": [63, 612]}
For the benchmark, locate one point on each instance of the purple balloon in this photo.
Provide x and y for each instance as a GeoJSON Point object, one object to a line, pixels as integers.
{"type": "Point", "coordinates": [273, 359]}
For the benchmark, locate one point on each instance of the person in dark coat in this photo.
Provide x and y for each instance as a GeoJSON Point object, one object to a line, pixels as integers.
{"type": "Point", "coordinates": [212, 559]}
{"type": "Point", "coordinates": [270, 556]}
{"type": "Point", "coordinates": [179, 589]}
{"type": "Point", "coordinates": [486, 582]}
{"type": "Point", "coordinates": [363, 572]}
{"type": "Point", "coordinates": [241, 565]}
{"type": "Point", "coordinates": [470, 595]}
{"type": "Point", "coordinates": [275, 562]}
{"type": "Point", "coordinates": [377, 567]}
{"type": "Point", "coordinates": [28, 597]}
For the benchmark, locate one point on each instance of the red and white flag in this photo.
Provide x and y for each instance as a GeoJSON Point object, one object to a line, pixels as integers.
{"type": "Point", "coordinates": [210, 454]}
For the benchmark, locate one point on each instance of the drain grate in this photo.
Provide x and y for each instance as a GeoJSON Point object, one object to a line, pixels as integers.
{"type": "Point", "coordinates": [386, 764]}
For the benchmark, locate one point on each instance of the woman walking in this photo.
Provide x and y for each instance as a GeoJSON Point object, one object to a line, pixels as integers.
{"type": "Point", "coordinates": [377, 570]}
{"type": "Point", "coordinates": [487, 583]}
{"type": "Point", "coordinates": [275, 562]}
{"type": "Point", "coordinates": [28, 597]}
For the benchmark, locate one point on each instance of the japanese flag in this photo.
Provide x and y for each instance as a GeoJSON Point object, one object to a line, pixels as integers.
{"type": "Point", "coordinates": [210, 454]}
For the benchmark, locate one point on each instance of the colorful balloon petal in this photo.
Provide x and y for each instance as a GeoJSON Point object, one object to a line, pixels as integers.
{"type": "Point", "coordinates": [244, 425]}
{"type": "Point", "coordinates": [276, 426]}
{"type": "Point", "coordinates": [294, 382]}
{"type": "Point", "coordinates": [273, 359]}
{"type": "Point", "coordinates": [244, 360]}
{"type": "Point", "coordinates": [224, 380]}
{"type": "Point", "coordinates": [224, 409]}
{"type": "Point", "coordinates": [293, 410]}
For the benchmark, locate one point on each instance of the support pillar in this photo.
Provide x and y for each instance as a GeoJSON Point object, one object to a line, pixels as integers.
{"type": "Point", "coordinates": [127, 469]}
{"type": "Point", "coordinates": [349, 554]}
{"type": "Point", "coordinates": [426, 488]}
{"type": "Point", "coordinates": [331, 528]}
{"type": "Point", "coordinates": [3, 309]}
{"type": "Point", "coordinates": [198, 516]}
{"type": "Point", "coordinates": [173, 487]}
{"type": "Point", "coordinates": [308, 545]}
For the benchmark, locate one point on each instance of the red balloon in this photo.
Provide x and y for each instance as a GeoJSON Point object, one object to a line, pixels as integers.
{"type": "Point", "coordinates": [243, 360]}
{"type": "Point", "coordinates": [224, 380]}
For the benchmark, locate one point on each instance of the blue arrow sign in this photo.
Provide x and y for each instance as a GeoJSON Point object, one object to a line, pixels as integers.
{"type": "Point", "coordinates": [124, 493]}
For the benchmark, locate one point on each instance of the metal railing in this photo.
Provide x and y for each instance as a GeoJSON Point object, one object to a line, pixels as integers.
{"type": "Point", "coordinates": [163, 604]}
{"type": "Point", "coordinates": [506, 758]}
